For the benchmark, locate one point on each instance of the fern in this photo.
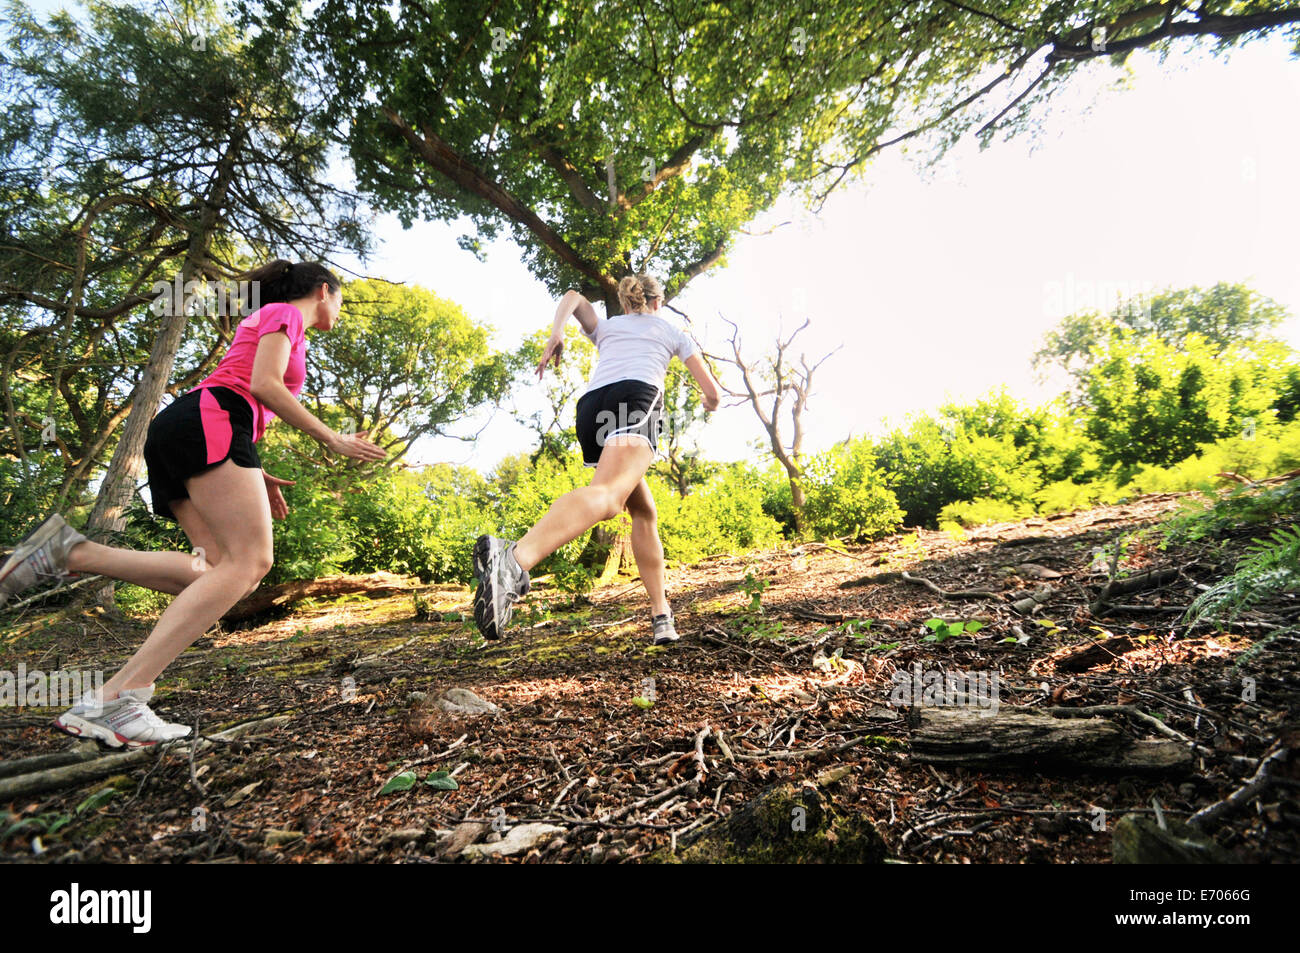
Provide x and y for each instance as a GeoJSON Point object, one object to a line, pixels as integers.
{"type": "Point", "coordinates": [1240, 506]}
{"type": "Point", "coordinates": [1269, 566]}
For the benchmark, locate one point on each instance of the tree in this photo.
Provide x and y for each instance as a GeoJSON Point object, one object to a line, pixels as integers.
{"type": "Point", "coordinates": [1153, 402]}
{"type": "Point", "coordinates": [137, 149]}
{"type": "Point", "coordinates": [776, 376]}
{"type": "Point", "coordinates": [992, 448]}
{"type": "Point", "coordinates": [560, 387]}
{"type": "Point", "coordinates": [643, 134]}
{"type": "Point", "coordinates": [404, 363]}
{"type": "Point", "coordinates": [1224, 315]}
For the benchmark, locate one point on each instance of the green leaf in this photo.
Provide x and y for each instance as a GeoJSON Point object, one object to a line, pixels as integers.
{"type": "Point", "coordinates": [96, 800]}
{"type": "Point", "coordinates": [974, 626]}
{"type": "Point", "coordinates": [27, 823]}
{"type": "Point", "coordinates": [441, 781]}
{"type": "Point", "coordinates": [641, 702]}
{"type": "Point", "coordinates": [402, 782]}
{"type": "Point", "coordinates": [935, 624]}
{"type": "Point", "coordinates": [884, 647]}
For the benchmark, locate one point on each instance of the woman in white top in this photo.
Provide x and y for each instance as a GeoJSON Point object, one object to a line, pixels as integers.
{"type": "Point", "coordinates": [618, 420]}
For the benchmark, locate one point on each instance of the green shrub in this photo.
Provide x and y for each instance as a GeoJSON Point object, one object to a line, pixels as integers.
{"type": "Point", "coordinates": [725, 514]}
{"type": "Point", "coordinates": [981, 512]}
{"type": "Point", "coordinates": [1066, 495]}
{"type": "Point", "coordinates": [984, 450]}
{"type": "Point", "coordinates": [846, 494]}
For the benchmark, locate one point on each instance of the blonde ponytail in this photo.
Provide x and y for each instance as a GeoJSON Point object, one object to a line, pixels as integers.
{"type": "Point", "coordinates": [635, 292]}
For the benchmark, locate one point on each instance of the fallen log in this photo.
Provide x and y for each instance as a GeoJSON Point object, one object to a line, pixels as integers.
{"type": "Point", "coordinates": [81, 751]}
{"type": "Point", "coordinates": [1032, 601]}
{"type": "Point", "coordinates": [882, 578]}
{"type": "Point", "coordinates": [1262, 778]}
{"type": "Point", "coordinates": [1140, 840]}
{"type": "Point", "coordinates": [1021, 738]}
{"type": "Point", "coordinates": [1015, 540]}
{"type": "Point", "coordinates": [71, 775]}
{"type": "Point", "coordinates": [374, 585]}
{"type": "Point", "coordinates": [1153, 579]}
{"type": "Point", "coordinates": [1282, 477]}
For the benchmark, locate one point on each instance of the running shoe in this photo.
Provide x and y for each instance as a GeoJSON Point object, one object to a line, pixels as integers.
{"type": "Point", "coordinates": [501, 582]}
{"type": "Point", "coordinates": [125, 721]}
{"type": "Point", "coordinates": [664, 629]}
{"type": "Point", "coordinates": [43, 555]}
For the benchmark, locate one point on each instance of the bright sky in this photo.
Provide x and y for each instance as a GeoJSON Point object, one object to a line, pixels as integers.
{"type": "Point", "coordinates": [942, 283]}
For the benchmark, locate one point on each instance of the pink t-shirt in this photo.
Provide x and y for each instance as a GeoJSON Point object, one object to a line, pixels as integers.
{"type": "Point", "coordinates": [236, 368]}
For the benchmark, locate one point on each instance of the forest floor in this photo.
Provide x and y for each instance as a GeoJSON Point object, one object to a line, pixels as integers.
{"type": "Point", "coordinates": [627, 751]}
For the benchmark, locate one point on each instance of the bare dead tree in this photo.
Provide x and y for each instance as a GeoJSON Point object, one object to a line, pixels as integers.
{"type": "Point", "coordinates": [768, 382]}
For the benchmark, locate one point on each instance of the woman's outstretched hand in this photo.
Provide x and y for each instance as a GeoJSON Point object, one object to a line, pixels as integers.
{"type": "Point", "coordinates": [554, 348]}
{"type": "Point", "coordinates": [356, 446]}
{"type": "Point", "coordinates": [279, 508]}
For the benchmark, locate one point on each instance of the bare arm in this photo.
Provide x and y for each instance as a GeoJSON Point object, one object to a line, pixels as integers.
{"type": "Point", "coordinates": [268, 387]}
{"type": "Point", "coordinates": [575, 305]}
{"type": "Point", "coordinates": [712, 395]}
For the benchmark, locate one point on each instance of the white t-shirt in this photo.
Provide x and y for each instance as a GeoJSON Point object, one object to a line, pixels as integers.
{"type": "Point", "coordinates": [637, 347]}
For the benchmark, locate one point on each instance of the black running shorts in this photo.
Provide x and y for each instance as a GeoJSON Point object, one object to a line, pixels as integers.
{"type": "Point", "coordinates": [194, 433]}
{"type": "Point", "coordinates": [622, 408]}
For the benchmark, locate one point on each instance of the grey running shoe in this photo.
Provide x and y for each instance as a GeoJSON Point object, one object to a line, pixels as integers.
{"type": "Point", "coordinates": [42, 556]}
{"type": "Point", "coordinates": [501, 582]}
{"type": "Point", "coordinates": [124, 721]}
{"type": "Point", "coordinates": [664, 629]}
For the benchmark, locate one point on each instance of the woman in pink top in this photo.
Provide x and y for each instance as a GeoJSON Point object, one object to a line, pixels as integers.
{"type": "Point", "coordinates": [204, 473]}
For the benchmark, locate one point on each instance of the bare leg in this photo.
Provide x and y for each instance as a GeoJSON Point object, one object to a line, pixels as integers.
{"type": "Point", "coordinates": [162, 572]}
{"type": "Point", "coordinates": [205, 542]}
{"type": "Point", "coordinates": [623, 462]}
{"type": "Point", "coordinates": [232, 502]}
{"type": "Point", "coordinates": [646, 546]}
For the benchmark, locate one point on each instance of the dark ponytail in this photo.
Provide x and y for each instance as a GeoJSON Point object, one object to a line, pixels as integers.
{"type": "Point", "coordinates": [281, 280]}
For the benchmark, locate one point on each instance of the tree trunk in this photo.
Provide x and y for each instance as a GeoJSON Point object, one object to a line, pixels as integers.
{"type": "Point", "coordinates": [619, 553]}
{"type": "Point", "coordinates": [1011, 737]}
{"type": "Point", "coordinates": [109, 513]}
{"type": "Point", "coordinates": [797, 500]}
{"type": "Point", "coordinates": [374, 585]}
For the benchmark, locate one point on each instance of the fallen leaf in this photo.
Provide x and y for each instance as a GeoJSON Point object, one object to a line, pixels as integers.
{"type": "Point", "coordinates": [242, 793]}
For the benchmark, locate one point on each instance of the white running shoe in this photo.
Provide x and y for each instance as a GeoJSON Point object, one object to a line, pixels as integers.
{"type": "Point", "coordinates": [42, 556]}
{"type": "Point", "coordinates": [664, 630]}
{"type": "Point", "coordinates": [501, 583]}
{"type": "Point", "coordinates": [123, 721]}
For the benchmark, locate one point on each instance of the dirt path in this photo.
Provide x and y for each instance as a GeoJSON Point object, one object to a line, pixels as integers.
{"type": "Point", "coordinates": [625, 750]}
